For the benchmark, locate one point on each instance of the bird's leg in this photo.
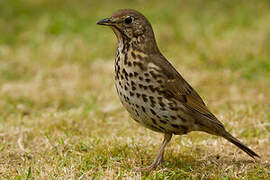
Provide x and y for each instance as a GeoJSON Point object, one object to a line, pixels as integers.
{"type": "Point", "coordinates": [159, 158]}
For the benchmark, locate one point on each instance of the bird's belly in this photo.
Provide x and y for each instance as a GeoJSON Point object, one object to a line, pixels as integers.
{"type": "Point", "coordinates": [148, 109]}
{"type": "Point", "coordinates": [136, 108]}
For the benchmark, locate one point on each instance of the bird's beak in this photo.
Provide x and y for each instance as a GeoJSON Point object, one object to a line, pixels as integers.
{"type": "Point", "coordinates": [106, 22]}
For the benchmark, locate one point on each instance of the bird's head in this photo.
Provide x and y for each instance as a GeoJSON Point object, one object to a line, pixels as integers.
{"type": "Point", "coordinates": [127, 23]}
{"type": "Point", "coordinates": [130, 25]}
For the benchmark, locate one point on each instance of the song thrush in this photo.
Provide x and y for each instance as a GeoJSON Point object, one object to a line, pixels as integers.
{"type": "Point", "coordinates": [152, 91]}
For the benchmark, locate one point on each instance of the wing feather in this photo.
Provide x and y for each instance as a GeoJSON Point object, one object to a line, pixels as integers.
{"type": "Point", "coordinates": [182, 91]}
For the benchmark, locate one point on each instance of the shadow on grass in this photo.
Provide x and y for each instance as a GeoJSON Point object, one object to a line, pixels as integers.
{"type": "Point", "coordinates": [208, 167]}
{"type": "Point", "coordinates": [143, 158]}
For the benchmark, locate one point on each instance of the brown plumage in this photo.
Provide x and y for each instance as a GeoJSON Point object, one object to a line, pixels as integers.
{"type": "Point", "coordinates": [150, 88]}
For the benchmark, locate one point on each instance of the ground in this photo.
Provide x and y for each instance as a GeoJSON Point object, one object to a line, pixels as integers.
{"type": "Point", "coordinates": [60, 117]}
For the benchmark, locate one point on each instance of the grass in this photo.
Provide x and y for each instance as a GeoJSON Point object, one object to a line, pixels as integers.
{"type": "Point", "coordinates": [60, 117]}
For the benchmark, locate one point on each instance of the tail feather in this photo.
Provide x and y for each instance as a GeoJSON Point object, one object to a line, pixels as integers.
{"type": "Point", "coordinates": [236, 142]}
{"type": "Point", "coordinates": [212, 125]}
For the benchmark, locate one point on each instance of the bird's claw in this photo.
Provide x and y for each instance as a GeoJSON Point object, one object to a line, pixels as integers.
{"type": "Point", "coordinates": [152, 167]}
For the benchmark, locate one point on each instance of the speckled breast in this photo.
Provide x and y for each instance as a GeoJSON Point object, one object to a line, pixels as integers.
{"type": "Point", "coordinates": [139, 86]}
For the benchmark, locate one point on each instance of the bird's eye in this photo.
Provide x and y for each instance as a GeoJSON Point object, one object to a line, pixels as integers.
{"type": "Point", "coordinates": [128, 20]}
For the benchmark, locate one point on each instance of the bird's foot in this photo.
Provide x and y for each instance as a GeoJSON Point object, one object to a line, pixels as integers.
{"type": "Point", "coordinates": [149, 168]}
{"type": "Point", "coordinates": [152, 167]}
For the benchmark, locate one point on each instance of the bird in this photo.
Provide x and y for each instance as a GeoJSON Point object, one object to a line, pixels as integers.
{"type": "Point", "coordinates": [152, 90]}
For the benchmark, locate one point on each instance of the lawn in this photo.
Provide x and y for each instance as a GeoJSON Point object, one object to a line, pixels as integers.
{"type": "Point", "coordinates": [60, 117]}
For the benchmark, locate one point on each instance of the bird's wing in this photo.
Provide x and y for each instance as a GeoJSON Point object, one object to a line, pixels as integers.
{"type": "Point", "coordinates": [182, 91]}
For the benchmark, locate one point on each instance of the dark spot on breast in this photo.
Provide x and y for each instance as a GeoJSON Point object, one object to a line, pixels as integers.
{"type": "Point", "coordinates": [154, 121]}
{"type": "Point", "coordinates": [143, 109]}
{"type": "Point", "coordinates": [133, 55]}
{"type": "Point", "coordinates": [175, 126]}
{"type": "Point", "coordinates": [140, 57]}
{"type": "Point", "coordinates": [123, 49]}
{"type": "Point", "coordinates": [152, 89]}
{"type": "Point", "coordinates": [141, 78]}
{"type": "Point", "coordinates": [120, 84]}
{"type": "Point", "coordinates": [127, 46]}
{"type": "Point", "coordinates": [125, 74]}
{"type": "Point", "coordinates": [182, 119]}
{"type": "Point", "coordinates": [140, 65]}
{"type": "Point", "coordinates": [117, 76]}
{"type": "Point", "coordinates": [153, 127]}
{"type": "Point", "coordinates": [133, 83]}
{"type": "Point", "coordinates": [160, 92]}
{"type": "Point", "coordinates": [184, 98]}
{"type": "Point", "coordinates": [144, 98]}
{"type": "Point", "coordinates": [146, 74]}
{"type": "Point", "coordinates": [129, 64]}
{"type": "Point", "coordinates": [161, 104]}
{"type": "Point", "coordinates": [135, 63]}
{"type": "Point", "coordinates": [125, 59]}
{"type": "Point", "coordinates": [133, 88]}
{"type": "Point", "coordinates": [126, 77]}
{"type": "Point", "coordinates": [161, 128]}
{"type": "Point", "coordinates": [117, 59]}
{"type": "Point", "coordinates": [145, 87]}
{"type": "Point", "coordinates": [140, 86]}
{"type": "Point", "coordinates": [138, 95]}
{"type": "Point", "coordinates": [173, 117]}
{"type": "Point", "coordinates": [147, 80]}
{"type": "Point", "coordinates": [130, 75]}
{"type": "Point", "coordinates": [126, 88]}
{"type": "Point", "coordinates": [137, 112]}
{"type": "Point", "coordinates": [174, 108]}
{"type": "Point", "coordinates": [159, 81]}
{"type": "Point", "coordinates": [135, 74]}
{"type": "Point", "coordinates": [152, 105]}
{"type": "Point", "coordinates": [153, 112]}
{"type": "Point", "coordinates": [163, 122]}
{"type": "Point", "coordinates": [137, 106]}
{"type": "Point", "coordinates": [167, 95]}
{"type": "Point", "coordinates": [152, 100]}
{"type": "Point", "coordinates": [153, 74]}
{"type": "Point", "coordinates": [131, 93]}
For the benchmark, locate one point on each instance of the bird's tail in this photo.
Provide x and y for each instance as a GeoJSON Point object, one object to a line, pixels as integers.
{"type": "Point", "coordinates": [236, 142]}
